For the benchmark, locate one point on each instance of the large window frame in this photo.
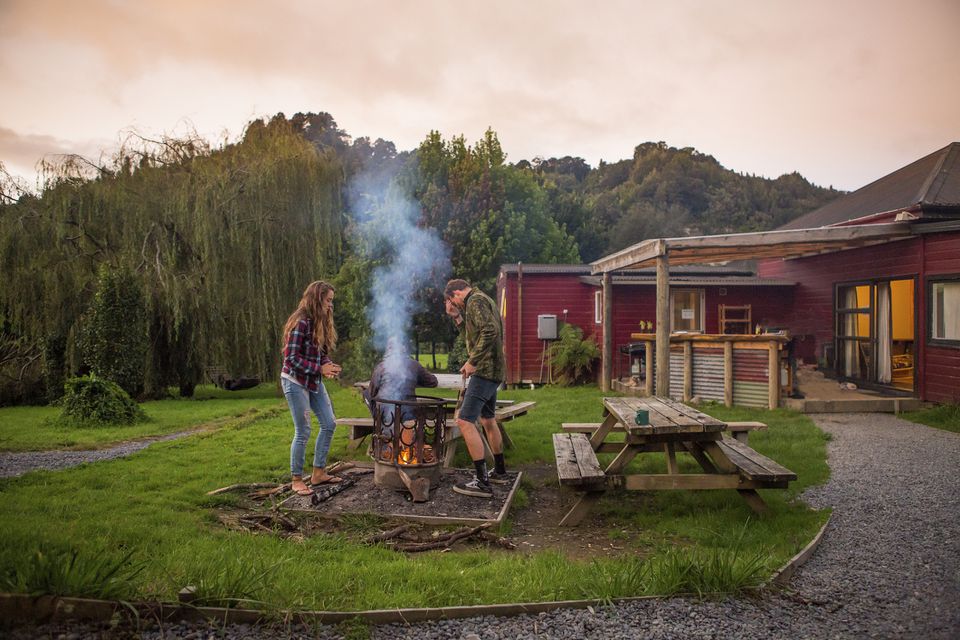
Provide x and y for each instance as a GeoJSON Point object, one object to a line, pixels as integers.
{"type": "Point", "coordinates": [952, 278]}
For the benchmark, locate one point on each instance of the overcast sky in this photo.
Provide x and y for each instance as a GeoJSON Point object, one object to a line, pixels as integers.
{"type": "Point", "coordinates": [841, 91]}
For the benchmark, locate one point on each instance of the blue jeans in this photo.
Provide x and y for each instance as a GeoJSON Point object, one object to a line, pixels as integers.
{"type": "Point", "coordinates": [301, 402]}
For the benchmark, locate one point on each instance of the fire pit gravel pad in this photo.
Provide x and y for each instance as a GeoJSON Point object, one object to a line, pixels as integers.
{"type": "Point", "coordinates": [445, 506]}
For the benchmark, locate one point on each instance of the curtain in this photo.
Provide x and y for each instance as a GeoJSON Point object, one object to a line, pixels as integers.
{"type": "Point", "coordinates": [884, 339]}
{"type": "Point", "coordinates": [851, 359]}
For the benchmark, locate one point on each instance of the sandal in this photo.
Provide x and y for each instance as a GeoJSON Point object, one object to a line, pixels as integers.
{"type": "Point", "coordinates": [330, 479]}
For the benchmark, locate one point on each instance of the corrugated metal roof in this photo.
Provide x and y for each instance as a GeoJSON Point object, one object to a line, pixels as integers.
{"type": "Point", "coordinates": [932, 182]}
{"type": "Point", "coordinates": [741, 268]}
{"type": "Point", "coordinates": [722, 281]}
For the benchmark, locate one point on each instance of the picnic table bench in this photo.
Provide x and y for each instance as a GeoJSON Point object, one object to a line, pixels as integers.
{"type": "Point", "coordinates": [727, 463]}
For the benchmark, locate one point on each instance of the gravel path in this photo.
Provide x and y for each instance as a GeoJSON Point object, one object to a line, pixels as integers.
{"type": "Point", "coordinates": [888, 566]}
{"type": "Point", "coordinates": [17, 464]}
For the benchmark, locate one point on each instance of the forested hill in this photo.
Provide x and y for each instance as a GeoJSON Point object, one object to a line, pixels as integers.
{"type": "Point", "coordinates": [211, 247]}
{"type": "Point", "coordinates": [664, 191]}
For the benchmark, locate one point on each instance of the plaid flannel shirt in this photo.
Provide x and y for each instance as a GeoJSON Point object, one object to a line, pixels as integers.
{"type": "Point", "coordinates": [302, 358]}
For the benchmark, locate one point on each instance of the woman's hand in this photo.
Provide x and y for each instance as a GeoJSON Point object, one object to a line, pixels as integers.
{"type": "Point", "coordinates": [330, 370]}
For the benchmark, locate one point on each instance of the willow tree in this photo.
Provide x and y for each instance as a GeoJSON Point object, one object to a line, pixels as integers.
{"type": "Point", "coordinates": [223, 242]}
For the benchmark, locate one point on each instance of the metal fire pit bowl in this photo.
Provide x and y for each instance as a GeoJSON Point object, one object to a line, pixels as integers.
{"type": "Point", "coordinates": [408, 444]}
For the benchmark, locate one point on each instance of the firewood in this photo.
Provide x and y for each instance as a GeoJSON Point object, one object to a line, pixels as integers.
{"type": "Point", "coordinates": [328, 491]}
{"type": "Point", "coordinates": [343, 465]}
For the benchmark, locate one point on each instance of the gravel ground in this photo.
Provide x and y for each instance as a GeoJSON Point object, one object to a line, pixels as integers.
{"type": "Point", "coordinates": [888, 565]}
{"type": "Point", "coordinates": [17, 464]}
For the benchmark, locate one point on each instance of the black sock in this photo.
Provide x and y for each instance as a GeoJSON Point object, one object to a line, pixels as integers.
{"type": "Point", "coordinates": [481, 467]}
{"type": "Point", "coordinates": [498, 464]}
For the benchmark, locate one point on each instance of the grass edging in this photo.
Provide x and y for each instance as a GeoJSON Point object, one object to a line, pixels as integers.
{"type": "Point", "coordinates": [23, 607]}
{"type": "Point", "coordinates": [782, 576]}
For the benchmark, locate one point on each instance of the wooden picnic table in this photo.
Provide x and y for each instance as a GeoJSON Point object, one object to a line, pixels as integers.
{"type": "Point", "coordinates": [727, 463]}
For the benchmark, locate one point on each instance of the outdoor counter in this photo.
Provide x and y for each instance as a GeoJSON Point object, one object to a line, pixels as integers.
{"type": "Point", "coordinates": [733, 369]}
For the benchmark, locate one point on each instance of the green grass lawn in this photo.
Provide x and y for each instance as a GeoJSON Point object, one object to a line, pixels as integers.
{"type": "Point", "coordinates": [152, 508]}
{"type": "Point", "coordinates": [942, 416]}
{"type": "Point", "coordinates": [426, 360]}
{"type": "Point", "coordinates": [36, 428]}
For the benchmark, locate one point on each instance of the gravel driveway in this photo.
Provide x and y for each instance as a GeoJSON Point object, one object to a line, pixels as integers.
{"type": "Point", "coordinates": [888, 565]}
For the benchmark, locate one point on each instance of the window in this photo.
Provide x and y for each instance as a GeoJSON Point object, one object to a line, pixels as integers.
{"type": "Point", "coordinates": [598, 306]}
{"type": "Point", "coordinates": [686, 310]}
{"type": "Point", "coordinates": [945, 310]}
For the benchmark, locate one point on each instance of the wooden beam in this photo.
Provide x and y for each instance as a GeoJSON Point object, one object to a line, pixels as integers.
{"type": "Point", "coordinates": [728, 373]}
{"type": "Point", "coordinates": [607, 333]}
{"type": "Point", "coordinates": [773, 384]}
{"type": "Point", "coordinates": [663, 325]}
{"type": "Point", "coordinates": [648, 356]}
{"type": "Point", "coordinates": [626, 257]}
{"type": "Point", "coordinates": [788, 243]}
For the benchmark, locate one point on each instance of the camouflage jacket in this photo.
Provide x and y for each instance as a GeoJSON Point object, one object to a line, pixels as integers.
{"type": "Point", "coordinates": [482, 330]}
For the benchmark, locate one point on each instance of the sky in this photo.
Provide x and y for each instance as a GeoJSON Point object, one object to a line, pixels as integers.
{"type": "Point", "coordinates": [841, 91]}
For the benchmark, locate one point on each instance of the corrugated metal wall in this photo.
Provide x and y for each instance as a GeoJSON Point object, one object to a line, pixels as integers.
{"type": "Point", "coordinates": [750, 375]}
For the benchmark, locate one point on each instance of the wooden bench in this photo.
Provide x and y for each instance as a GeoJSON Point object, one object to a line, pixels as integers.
{"type": "Point", "coordinates": [755, 466]}
{"type": "Point", "coordinates": [741, 430]}
{"type": "Point", "coordinates": [577, 464]}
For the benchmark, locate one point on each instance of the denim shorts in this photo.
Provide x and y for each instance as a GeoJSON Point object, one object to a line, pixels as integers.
{"type": "Point", "coordinates": [480, 399]}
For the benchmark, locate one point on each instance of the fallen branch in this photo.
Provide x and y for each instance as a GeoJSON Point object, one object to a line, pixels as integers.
{"type": "Point", "coordinates": [442, 542]}
{"type": "Point", "coordinates": [497, 540]}
{"type": "Point", "coordinates": [328, 491]}
{"type": "Point", "coordinates": [388, 535]}
{"type": "Point", "coordinates": [238, 487]}
{"type": "Point", "coordinates": [343, 465]}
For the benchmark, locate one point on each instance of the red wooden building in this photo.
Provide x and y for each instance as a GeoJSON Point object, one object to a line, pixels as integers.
{"type": "Point", "coordinates": [868, 286]}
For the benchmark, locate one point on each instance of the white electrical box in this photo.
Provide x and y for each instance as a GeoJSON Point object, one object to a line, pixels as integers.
{"type": "Point", "coordinates": [547, 327]}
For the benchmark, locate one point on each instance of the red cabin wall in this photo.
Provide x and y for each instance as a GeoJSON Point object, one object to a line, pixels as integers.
{"type": "Point", "coordinates": [552, 293]}
{"type": "Point", "coordinates": [812, 312]}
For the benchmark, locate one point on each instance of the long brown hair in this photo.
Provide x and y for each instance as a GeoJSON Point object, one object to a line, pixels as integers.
{"type": "Point", "coordinates": [324, 333]}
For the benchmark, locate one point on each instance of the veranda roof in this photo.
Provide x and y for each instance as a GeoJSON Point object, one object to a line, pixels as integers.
{"type": "Point", "coordinates": [792, 243]}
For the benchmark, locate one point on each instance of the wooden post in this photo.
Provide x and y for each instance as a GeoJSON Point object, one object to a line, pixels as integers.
{"type": "Point", "coordinates": [607, 332]}
{"type": "Point", "coordinates": [648, 356]}
{"type": "Point", "coordinates": [728, 373]}
{"type": "Point", "coordinates": [663, 322]}
{"type": "Point", "coordinates": [773, 364]}
{"type": "Point", "coordinates": [687, 370]}
{"type": "Point", "coordinates": [517, 373]}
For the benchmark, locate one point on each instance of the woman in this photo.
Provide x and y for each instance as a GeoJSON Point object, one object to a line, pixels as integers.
{"type": "Point", "coordinates": [308, 336]}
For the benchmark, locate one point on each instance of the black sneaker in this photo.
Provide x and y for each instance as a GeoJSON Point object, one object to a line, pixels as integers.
{"type": "Point", "coordinates": [499, 478]}
{"type": "Point", "coordinates": [475, 488]}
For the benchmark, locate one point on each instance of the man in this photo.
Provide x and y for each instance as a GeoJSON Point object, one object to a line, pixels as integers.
{"type": "Point", "coordinates": [477, 317]}
{"type": "Point", "coordinates": [397, 377]}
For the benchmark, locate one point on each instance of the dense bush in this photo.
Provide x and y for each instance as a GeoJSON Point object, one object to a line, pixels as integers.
{"type": "Point", "coordinates": [572, 356]}
{"type": "Point", "coordinates": [92, 401]}
{"type": "Point", "coordinates": [113, 333]}
{"type": "Point", "coordinates": [458, 355]}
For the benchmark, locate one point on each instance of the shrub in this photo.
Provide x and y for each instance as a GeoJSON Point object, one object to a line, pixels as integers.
{"type": "Point", "coordinates": [94, 401]}
{"type": "Point", "coordinates": [572, 356]}
{"type": "Point", "coordinates": [458, 355]}
{"type": "Point", "coordinates": [113, 333]}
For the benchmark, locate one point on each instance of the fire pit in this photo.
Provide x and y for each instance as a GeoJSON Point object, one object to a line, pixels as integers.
{"type": "Point", "coordinates": [408, 444]}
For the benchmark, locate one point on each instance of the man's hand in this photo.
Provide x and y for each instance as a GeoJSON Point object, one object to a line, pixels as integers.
{"type": "Point", "coordinates": [452, 310]}
{"type": "Point", "coordinates": [467, 370]}
{"type": "Point", "coordinates": [330, 370]}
